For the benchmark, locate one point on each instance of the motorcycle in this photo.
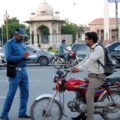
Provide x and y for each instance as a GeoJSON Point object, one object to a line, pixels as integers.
{"type": "Point", "coordinates": [51, 107]}
{"type": "Point", "coordinates": [58, 60]}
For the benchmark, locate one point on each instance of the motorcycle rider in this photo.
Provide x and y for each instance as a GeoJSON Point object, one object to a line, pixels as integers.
{"type": "Point", "coordinates": [96, 76]}
{"type": "Point", "coordinates": [62, 51]}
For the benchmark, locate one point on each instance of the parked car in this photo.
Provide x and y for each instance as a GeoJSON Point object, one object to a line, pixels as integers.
{"type": "Point", "coordinates": [114, 49]}
{"type": "Point", "coordinates": [2, 57]}
{"type": "Point", "coordinates": [38, 55]}
{"type": "Point", "coordinates": [81, 50]}
{"type": "Point", "coordinates": [0, 60]}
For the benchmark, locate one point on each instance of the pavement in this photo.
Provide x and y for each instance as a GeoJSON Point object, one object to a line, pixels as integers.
{"type": "Point", "coordinates": [41, 81]}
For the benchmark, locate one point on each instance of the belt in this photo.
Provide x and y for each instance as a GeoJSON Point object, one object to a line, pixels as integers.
{"type": "Point", "coordinates": [95, 74]}
{"type": "Point", "coordinates": [19, 69]}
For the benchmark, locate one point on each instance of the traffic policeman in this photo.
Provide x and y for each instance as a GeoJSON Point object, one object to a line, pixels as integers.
{"type": "Point", "coordinates": [15, 52]}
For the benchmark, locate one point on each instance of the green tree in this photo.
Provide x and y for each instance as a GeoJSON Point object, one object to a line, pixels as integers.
{"type": "Point", "coordinates": [0, 36]}
{"type": "Point", "coordinates": [81, 30]}
{"type": "Point", "coordinates": [69, 28]}
{"type": "Point", "coordinates": [13, 24]}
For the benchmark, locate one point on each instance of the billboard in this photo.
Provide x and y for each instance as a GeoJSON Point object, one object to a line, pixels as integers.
{"type": "Point", "coordinates": [113, 1]}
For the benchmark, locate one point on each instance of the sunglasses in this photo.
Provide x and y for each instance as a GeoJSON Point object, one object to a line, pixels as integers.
{"type": "Point", "coordinates": [21, 37]}
{"type": "Point", "coordinates": [86, 38]}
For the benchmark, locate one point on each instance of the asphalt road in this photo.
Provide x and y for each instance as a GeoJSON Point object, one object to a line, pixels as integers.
{"type": "Point", "coordinates": [41, 81]}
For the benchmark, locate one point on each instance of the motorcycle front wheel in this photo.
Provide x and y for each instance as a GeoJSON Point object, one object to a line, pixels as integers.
{"type": "Point", "coordinates": [39, 110]}
{"type": "Point", "coordinates": [57, 63]}
{"type": "Point", "coordinates": [115, 113]}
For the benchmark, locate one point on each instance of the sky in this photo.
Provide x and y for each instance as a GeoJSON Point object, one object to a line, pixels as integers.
{"type": "Point", "coordinates": [76, 11]}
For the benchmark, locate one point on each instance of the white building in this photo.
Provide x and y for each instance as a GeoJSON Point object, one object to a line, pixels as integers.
{"type": "Point", "coordinates": [45, 27]}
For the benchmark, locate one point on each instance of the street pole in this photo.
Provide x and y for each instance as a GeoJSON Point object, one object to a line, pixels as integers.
{"type": "Point", "coordinates": [116, 20]}
{"type": "Point", "coordinates": [6, 24]}
{"type": "Point", "coordinates": [2, 35]}
{"type": "Point", "coordinates": [106, 21]}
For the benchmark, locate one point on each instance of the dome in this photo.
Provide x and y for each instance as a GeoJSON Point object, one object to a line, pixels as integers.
{"type": "Point", "coordinates": [44, 9]}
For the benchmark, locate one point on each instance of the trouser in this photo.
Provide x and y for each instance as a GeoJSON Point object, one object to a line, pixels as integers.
{"type": "Point", "coordinates": [64, 55]}
{"type": "Point", "coordinates": [21, 80]}
{"type": "Point", "coordinates": [95, 81]}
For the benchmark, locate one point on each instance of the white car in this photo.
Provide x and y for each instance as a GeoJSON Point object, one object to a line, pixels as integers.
{"type": "Point", "coordinates": [2, 57]}
{"type": "Point", "coordinates": [0, 60]}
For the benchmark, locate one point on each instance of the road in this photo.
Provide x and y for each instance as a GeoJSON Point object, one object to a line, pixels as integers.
{"type": "Point", "coordinates": [41, 81]}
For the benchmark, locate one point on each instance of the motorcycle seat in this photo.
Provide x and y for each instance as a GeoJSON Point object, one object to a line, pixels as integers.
{"type": "Point", "coordinates": [113, 79]}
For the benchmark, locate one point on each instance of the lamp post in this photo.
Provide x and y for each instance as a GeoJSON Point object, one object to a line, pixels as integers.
{"type": "Point", "coordinates": [116, 20]}
{"type": "Point", "coordinates": [2, 36]}
{"type": "Point", "coordinates": [106, 21]}
{"type": "Point", "coordinates": [6, 16]}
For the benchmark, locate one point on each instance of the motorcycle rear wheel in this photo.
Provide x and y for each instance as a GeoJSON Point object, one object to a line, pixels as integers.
{"type": "Point", "coordinates": [114, 114]}
{"type": "Point", "coordinates": [39, 107]}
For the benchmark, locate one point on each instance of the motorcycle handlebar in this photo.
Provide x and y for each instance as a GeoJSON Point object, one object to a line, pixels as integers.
{"type": "Point", "coordinates": [63, 73]}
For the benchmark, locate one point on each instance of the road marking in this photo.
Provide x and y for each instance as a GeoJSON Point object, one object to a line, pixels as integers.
{"type": "Point", "coordinates": [3, 97]}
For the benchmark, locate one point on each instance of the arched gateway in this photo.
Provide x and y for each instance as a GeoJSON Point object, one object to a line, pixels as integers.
{"type": "Point", "coordinates": [45, 27]}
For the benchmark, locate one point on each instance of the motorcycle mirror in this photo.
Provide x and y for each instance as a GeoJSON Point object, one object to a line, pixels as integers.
{"type": "Point", "coordinates": [60, 73]}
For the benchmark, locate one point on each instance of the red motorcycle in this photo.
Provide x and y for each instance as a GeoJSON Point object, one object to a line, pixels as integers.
{"type": "Point", "coordinates": [51, 107]}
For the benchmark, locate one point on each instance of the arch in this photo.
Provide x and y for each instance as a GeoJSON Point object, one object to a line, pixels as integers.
{"type": "Point", "coordinates": [43, 34]}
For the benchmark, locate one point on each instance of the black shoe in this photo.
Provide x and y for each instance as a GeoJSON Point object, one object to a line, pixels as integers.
{"type": "Point", "coordinates": [83, 117]}
{"type": "Point", "coordinates": [3, 118]}
{"type": "Point", "coordinates": [25, 116]}
{"type": "Point", "coordinates": [79, 117]}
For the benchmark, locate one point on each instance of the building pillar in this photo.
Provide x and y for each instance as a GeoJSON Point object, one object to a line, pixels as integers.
{"type": "Point", "coordinates": [51, 36]}
{"type": "Point", "coordinates": [99, 35]}
{"type": "Point", "coordinates": [57, 32]}
{"type": "Point", "coordinates": [110, 35]}
{"type": "Point", "coordinates": [35, 35]}
{"type": "Point", "coordinates": [118, 32]}
{"type": "Point", "coordinates": [30, 37]}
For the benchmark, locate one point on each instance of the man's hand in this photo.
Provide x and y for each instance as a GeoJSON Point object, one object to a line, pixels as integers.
{"type": "Point", "coordinates": [26, 54]}
{"type": "Point", "coordinates": [75, 70]}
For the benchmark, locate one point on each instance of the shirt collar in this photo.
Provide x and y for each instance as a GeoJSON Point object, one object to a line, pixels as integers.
{"type": "Point", "coordinates": [17, 41]}
{"type": "Point", "coordinates": [14, 39]}
{"type": "Point", "coordinates": [93, 46]}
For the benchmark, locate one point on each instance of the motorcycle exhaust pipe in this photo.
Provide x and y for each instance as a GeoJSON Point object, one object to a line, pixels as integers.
{"type": "Point", "coordinates": [103, 104]}
{"type": "Point", "coordinates": [83, 109]}
{"type": "Point", "coordinates": [98, 105]}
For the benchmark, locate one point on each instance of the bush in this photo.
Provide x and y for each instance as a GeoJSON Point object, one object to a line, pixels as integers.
{"type": "Point", "coordinates": [50, 49]}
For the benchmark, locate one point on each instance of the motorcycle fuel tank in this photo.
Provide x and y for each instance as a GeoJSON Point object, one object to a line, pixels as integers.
{"type": "Point", "coordinates": [74, 84]}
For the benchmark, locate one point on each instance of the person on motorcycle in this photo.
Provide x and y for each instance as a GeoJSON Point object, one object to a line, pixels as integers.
{"type": "Point", "coordinates": [96, 76]}
{"type": "Point", "coordinates": [62, 51]}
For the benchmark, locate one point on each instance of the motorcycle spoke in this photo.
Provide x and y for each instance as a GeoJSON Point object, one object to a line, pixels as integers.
{"type": "Point", "coordinates": [40, 109]}
{"type": "Point", "coordinates": [113, 112]}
